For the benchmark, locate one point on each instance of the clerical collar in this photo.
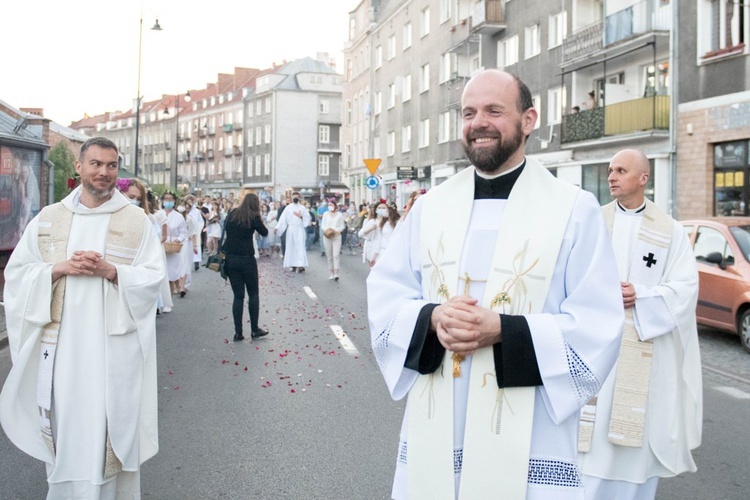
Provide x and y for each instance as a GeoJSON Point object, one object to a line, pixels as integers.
{"type": "Point", "coordinates": [498, 187]}
{"type": "Point", "coordinates": [636, 210]}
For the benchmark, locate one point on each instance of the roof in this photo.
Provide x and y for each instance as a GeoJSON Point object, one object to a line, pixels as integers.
{"type": "Point", "coordinates": [14, 125]}
{"type": "Point", "coordinates": [68, 132]}
{"type": "Point", "coordinates": [304, 65]}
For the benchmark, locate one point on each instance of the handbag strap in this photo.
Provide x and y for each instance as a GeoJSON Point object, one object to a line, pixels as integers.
{"type": "Point", "coordinates": [221, 238]}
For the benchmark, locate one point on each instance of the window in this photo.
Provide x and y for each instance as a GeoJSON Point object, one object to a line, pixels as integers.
{"type": "Point", "coordinates": [391, 47]}
{"type": "Point", "coordinates": [731, 172]}
{"type": "Point", "coordinates": [507, 52]}
{"type": "Point", "coordinates": [426, 21]}
{"type": "Point", "coordinates": [268, 104]}
{"type": "Point", "coordinates": [250, 110]}
{"type": "Point", "coordinates": [324, 106]}
{"type": "Point", "coordinates": [424, 78]}
{"type": "Point", "coordinates": [378, 102]}
{"type": "Point", "coordinates": [531, 41]}
{"type": "Point", "coordinates": [407, 35]}
{"type": "Point", "coordinates": [267, 163]}
{"type": "Point", "coordinates": [424, 133]}
{"type": "Point", "coordinates": [722, 26]}
{"type": "Point", "coordinates": [324, 167]}
{"type": "Point", "coordinates": [555, 105]}
{"type": "Point", "coordinates": [324, 134]}
{"type": "Point", "coordinates": [557, 29]}
{"type": "Point", "coordinates": [447, 63]}
{"type": "Point", "coordinates": [268, 134]}
{"type": "Point", "coordinates": [258, 107]}
{"type": "Point", "coordinates": [709, 240]}
{"type": "Point", "coordinates": [444, 127]}
{"type": "Point", "coordinates": [405, 138]}
{"type": "Point", "coordinates": [378, 56]}
{"type": "Point", "coordinates": [258, 136]}
{"type": "Point", "coordinates": [391, 95]}
{"type": "Point", "coordinates": [537, 100]}
{"type": "Point", "coordinates": [348, 120]}
{"type": "Point", "coordinates": [445, 10]}
{"type": "Point", "coordinates": [656, 79]}
{"type": "Point", "coordinates": [406, 89]}
{"type": "Point", "coordinates": [376, 147]}
{"type": "Point", "coordinates": [249, 169]}
{"type": "Point", "coordinates": [391, 145]}
{"type": "Point", "coordinates": [257, 165]}
{"type": "Point", "coordinates": [594, 180]}
{"type": "Point", "coordinates": [349, 70]}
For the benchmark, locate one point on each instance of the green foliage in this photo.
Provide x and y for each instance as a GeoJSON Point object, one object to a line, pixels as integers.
{"type": "Point", "coordinates": [64, 161]}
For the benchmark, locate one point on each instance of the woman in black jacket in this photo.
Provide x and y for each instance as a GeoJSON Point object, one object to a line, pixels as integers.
{"type": "Point", "coordinates": [240, 266]}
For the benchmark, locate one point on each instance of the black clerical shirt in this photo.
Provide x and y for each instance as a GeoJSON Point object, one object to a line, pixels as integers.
{"type": "Point", "coordinates": [515, 360]}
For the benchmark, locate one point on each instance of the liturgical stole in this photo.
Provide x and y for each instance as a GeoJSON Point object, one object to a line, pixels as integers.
{"type": "Point", "coordinates": [124, 236]}
{"type": "Point", "coordinates": [648, 261]}
{"type": "Point", "coordinates": [498, 421]}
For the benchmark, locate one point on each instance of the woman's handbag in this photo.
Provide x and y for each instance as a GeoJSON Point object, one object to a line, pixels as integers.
{"type": "Point", "coordinates": [215, 261]}
{"type": "Point", "coordinates": [329, 233]}
{"type": "Point", "coordinates": [172, 246]}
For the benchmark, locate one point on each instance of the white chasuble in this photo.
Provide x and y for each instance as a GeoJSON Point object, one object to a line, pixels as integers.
{"type": "Point", "coordinates": [668, 422]}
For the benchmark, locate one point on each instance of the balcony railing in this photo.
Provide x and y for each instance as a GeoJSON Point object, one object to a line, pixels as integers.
{"type": "Point", "coordinates": [638, 115]}
{"type": "Point", "coordinates": [583, 42]}
{"type": "Point", "coordinates": [635, 20]}
{"type": "Point", "coordinates": [488, 17]}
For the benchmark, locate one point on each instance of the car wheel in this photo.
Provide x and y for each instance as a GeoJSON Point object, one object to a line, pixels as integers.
{"type": "Point", "coordinates": [744, 329]}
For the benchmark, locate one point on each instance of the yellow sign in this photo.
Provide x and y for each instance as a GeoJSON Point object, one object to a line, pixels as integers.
{"type": "Point", "coordinates": [720, 179]}
{"type": "Point", "coordinates": [729, 179]}
{"type": "Point", "coordinates": [739, 179]}
{"type": "Point", "coordinates": [372, 164]}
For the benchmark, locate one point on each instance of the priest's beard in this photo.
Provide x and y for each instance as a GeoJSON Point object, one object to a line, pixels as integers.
{"type": "Point", "coordinates": [99, 194]}
{"type": "Point", "coordinates": [489, 160]}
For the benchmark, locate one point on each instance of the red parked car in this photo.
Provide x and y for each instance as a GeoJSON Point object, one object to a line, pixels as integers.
{"type": "Point", "coordinates": [722, 251]}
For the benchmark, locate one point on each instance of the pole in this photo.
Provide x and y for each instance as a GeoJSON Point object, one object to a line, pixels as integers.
{"type": "Point", "coordinates": [138, 97]}
{"type": "Point", "coordinates": [176, 141]}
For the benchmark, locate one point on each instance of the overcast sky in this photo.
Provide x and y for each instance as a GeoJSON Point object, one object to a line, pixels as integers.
{"type": "Point", "coordinates": [81, 56]}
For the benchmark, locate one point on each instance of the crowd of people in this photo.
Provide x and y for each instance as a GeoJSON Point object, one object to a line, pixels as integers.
{"type": "Point", "coordinates": [563, 332]}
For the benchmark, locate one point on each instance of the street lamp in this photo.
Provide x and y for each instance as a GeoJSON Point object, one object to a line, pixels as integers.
{"type": "Point", "coordinates": [155, 27]}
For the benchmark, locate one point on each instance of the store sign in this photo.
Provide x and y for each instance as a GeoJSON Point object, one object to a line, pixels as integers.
{"type": "Point", "coordinates": [404, 173]}
{"type": "Point", "coordinates": [423, 173]}
{"type": "Point", "coordinates": [731, 154]}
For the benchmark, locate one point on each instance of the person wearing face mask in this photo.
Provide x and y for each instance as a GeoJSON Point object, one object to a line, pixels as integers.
{"type": "Point", "coordinates": [292, 223]}
{"type": "Point", "coordinates": [387, 217]}
{"type": "Point", "coordinates": [322, 208]}
{"type": "Point", "coordinates": [176, 231]}
{"type": "Point", "coordinates": [191, 249]}
{"type": "Point", "coordinates": [333, 225]}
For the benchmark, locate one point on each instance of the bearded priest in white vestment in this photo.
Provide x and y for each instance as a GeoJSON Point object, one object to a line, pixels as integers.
{"type": "Point", "coordinates": [496, 310]}
{"type": "Point", "coordinates": [80, 298]}
{"type": "Point", "coordinates": [294, 219]}
{"type": "Point", "coordinates": [648, 416]}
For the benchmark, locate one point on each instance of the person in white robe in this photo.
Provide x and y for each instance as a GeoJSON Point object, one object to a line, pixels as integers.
{"type": "Point", "coordinates": [648, 416]}
{"type": "Point", "coordinates": [80, 299]}
{"type": "Point", "coordinates": [492, 309]}
{"type": "Point", "coordinates": [190, 247]}
{"type": "Point", "coordinates": [199, 223]}
{"type": "Point", "coordinates": [177, 231]}
{"type": "Point", "coordinates": [293, 220]}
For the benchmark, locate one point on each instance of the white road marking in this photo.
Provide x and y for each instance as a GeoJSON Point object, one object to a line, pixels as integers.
{"type": "Point", "coordinates": [344, 340]}
{"type": "Point", "coordinates": [309, 292]}
{"type": "Point", "coordinates": [733, 392]}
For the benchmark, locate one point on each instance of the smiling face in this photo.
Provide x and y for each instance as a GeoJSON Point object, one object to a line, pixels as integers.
{"type": "Point", "coordinates": [494, 128]}
{"type": "Point", "coordinates": [98, 171]}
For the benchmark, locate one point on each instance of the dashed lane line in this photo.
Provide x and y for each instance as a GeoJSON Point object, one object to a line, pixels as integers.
{"type": "Point", "coordinates": [344, 340]}
{"type": "Point", "coordinates": [725, 373]}
{"type": "Point", "coordinates": [733, 392]}
{"type": "Point", "coordinates": [309, 292]}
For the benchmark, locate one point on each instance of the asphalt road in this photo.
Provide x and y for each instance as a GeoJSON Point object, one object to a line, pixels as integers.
{"type": "Point", "coordinates": [301, 415]}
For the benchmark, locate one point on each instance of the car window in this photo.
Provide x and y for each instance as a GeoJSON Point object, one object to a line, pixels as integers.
{"type": "Point", "coordinates": [742, 237]}
{"type": "Point", "coordinates": [710, 240]}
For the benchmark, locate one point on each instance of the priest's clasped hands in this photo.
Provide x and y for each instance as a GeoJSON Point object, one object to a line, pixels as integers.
{"type": "Point", "coordinates": [463, 327]}
{"type": "Point", "coordinates": [85, 263]}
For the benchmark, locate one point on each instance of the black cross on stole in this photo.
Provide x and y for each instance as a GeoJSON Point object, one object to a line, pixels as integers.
{"type": "Point", "coordinates": [649, 259]}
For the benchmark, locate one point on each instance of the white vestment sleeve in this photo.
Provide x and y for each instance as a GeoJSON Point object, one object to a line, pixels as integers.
{"type": "Point", "coordinates": [656, 308]}
{"type": "Point", "coordinates": [577, 338]}
{"type": "Point", "coordinates": [306, 219]}
{"type": "Point", "coordinates": [394, 299]}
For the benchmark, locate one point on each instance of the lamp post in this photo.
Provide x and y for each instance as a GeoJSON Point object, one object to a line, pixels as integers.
{"type": "Point", "coordinates": [155, 27]}
{"type": "Point", "coordinates": [187, 99]}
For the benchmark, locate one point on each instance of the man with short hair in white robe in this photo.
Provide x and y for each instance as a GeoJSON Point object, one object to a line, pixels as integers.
{"type": "Point", "coordinates": [648, 415]}
{"type": "Point", "coordinates": [80, 299]}
{"type": "Point", "coordinates": [493, 310]}
{"type": "Point", "coordinates": [293, 221]}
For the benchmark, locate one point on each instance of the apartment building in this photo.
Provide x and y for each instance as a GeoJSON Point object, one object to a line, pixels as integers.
{"type": "Point", "coordinates": [713, 137]}
{"type": "Point", "coordinates": [293, 122]}
{"type": "Point", "coordinates": [422, 53]}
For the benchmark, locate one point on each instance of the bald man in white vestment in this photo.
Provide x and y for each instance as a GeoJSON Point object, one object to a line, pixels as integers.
{"type": "Point", "coordinates": [496, 310]}
{"type": "Point", "coordinates": [648, 415]}
{"type": "Point", "coordinates": [80, 298]}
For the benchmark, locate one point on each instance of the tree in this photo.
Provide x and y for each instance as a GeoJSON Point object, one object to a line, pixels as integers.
{"type": "Point", "coordinates": [64, 162]}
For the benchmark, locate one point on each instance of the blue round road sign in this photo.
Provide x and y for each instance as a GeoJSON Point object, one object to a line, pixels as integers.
{"type": "Point", "coordinates": [372, 182]}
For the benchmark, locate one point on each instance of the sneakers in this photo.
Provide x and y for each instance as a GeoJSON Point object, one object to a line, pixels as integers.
{"type": "Point", "coordinates": [259, 332]}
{"type": "Point", "coordinates": [300, 269]}
{"type": "Point", "coordinates": [331, 277]}
{"type": "Point", "coordinates": [238, 337]}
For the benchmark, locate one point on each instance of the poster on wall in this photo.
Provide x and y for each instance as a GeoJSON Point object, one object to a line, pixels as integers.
{"type": "Point", "coordinates": [20, 193]}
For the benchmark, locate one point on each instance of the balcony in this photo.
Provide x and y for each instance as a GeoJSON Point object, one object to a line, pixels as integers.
{"type": "Point", "coordinates": [237, 126]}
{"type": "Point", "coordinates": [487, 17]}
{"type": "Point", "coordinates": [629, 117]}
{"type": "Point", "coordinates": [202, 132]}
{"type": "Point", "coordinates": [210, 154]}
{"type": "Point", "coordinates": [583, 42]}
{"type": "Point", "coordinates": [228, 152]}
{"type": "Point", "coordinates": [463, 41]}
{"type": "Point", "coordinates": [211, 130]}
{"type": "Point", "coordinates": [227, 128]}
{"type": "Point", "coordinates": [237, 151]}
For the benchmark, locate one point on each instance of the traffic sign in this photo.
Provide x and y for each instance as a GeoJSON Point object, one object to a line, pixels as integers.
{"type": "Point", "coordinates": [372, 182]}
{"type": "Point", "coordinates": [372, 164]}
